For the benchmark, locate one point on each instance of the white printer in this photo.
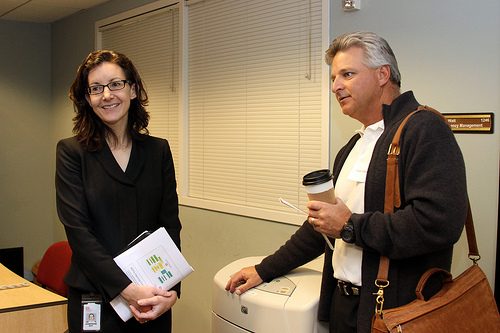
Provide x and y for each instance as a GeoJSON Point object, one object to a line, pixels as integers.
{"type": "Point", "coordinates": [287, 304]}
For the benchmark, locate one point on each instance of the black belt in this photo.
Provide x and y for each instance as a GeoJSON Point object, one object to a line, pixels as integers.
{"type": "Point", "coordinates": [348, 289]}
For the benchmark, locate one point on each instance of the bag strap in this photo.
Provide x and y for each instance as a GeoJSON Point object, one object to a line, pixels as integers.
{"type": "Point", "coordinates": [392, 195]}
{"type": "Point", "coordinates": [393, 200]}
{"type": "Point", "coordinates": [471, 236]}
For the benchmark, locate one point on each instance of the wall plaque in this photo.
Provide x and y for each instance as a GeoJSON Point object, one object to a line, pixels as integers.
{"type": "Point", "coordinates": [470, 122]}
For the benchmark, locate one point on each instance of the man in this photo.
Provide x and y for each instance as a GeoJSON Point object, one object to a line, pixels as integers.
{"type": "Point", "coordinates": [417, 236]}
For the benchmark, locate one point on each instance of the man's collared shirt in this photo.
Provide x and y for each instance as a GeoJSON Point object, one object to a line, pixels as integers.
{"type": "Point", "coordinates": [350, 187]}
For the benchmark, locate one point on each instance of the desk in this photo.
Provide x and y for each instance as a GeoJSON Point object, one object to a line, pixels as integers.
{"type": "Point", "coordinates": [30, 308]}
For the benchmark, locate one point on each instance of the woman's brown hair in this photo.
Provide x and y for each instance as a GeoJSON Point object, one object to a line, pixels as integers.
{"type": "Point", "coordinates": [87, 126]}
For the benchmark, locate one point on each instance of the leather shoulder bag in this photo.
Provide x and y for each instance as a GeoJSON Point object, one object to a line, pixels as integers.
{"type": "Point", "coordinates": [464, 304]}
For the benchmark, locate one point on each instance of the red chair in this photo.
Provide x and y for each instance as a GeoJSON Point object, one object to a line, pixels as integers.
{"type": "Point", "coordinates": [54, 266]}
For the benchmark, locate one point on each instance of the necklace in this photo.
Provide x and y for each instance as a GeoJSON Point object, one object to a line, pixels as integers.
{"type": "Point", "coordinates": [116, 145]}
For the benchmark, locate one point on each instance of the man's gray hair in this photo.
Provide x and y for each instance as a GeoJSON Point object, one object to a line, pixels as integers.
{"type": "Point", "coordinates": [376, 49]}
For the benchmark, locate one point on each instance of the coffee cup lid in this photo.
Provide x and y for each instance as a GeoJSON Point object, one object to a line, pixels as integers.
{"type": "Point", "coordinates": [317, 177]}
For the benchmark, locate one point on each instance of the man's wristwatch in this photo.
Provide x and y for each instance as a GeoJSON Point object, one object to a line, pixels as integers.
{"type": "Point", "coordinates": [347, 233]}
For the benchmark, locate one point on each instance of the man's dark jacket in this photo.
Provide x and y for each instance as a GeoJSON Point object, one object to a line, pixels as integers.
{"type": "Point", "coordinates": [418, 236]}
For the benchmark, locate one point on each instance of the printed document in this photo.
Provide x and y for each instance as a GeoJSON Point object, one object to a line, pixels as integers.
{"type": "Point", "coordinates": [154, 261]}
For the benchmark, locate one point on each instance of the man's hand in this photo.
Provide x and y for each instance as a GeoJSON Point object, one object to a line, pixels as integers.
{"type": "Point", "coordinates": [328, 218]}
{"type": "Point", "coordinates": [243, 280]}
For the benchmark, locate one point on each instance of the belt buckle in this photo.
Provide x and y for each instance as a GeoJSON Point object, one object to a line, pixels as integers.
{"type": "Point", "coordinates": [347, 289]}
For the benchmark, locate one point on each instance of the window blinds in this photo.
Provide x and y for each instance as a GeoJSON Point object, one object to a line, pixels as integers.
{"type": "Point", "coordinates": [257, 120]}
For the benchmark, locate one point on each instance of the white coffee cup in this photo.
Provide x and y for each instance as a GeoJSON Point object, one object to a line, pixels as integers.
{"type": "Point", "coordinates": [319, 186]}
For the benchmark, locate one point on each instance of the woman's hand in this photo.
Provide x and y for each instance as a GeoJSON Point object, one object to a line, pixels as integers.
{"type": "Point", "coordinates": [148, 303]}
{"type": "Point", "coordinates": [161, 302]}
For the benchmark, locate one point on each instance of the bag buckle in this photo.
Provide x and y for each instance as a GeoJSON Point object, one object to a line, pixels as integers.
{"type": "Point", "coordinates": [381, 284]}
{"type": "Point", "coordinates": [474, 258]}
{"type": "Point", "coordinates": [393, 150]}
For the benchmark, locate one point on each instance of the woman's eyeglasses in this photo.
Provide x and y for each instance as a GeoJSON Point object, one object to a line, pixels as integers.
{"type": "Point", "coordinates": [97, 89]}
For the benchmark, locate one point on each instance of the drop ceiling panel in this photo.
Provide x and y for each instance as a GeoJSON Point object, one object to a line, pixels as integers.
{"type": "Point", "coordinates": [43, 11]}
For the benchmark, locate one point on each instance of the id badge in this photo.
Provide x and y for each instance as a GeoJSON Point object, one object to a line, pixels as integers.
{"type": "Point", "coordinates": [91, 313]}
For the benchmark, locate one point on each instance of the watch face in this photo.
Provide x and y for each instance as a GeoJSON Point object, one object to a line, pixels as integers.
{"type": "Point", "coordinates": [347, 233]}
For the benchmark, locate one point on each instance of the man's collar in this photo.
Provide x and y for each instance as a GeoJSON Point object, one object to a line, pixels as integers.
{"type": "Point", "coordinates": [379, 125]}
{"type": "Point", "coordinates": [399, 108]}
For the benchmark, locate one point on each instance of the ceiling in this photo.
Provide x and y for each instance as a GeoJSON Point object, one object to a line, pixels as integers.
{"type": "Point", "coordinates": [43, 11]}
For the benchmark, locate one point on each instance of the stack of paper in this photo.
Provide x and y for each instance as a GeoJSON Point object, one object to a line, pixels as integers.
{"type": "Point", "coordinates": [154, 261]}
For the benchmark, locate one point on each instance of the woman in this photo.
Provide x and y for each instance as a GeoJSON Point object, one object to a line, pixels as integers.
{"type": "Point", "coordinates": [113, 181]}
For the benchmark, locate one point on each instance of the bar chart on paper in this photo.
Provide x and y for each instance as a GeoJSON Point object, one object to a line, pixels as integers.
{"type": "Point", "coordinates": [155, 265]}
{"type": "Point", "coordinates": [159, 267]}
